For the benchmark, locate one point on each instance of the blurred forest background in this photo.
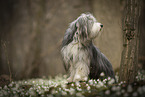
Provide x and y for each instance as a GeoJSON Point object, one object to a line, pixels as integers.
{"type": "Point", "coordinates": [31, 32]}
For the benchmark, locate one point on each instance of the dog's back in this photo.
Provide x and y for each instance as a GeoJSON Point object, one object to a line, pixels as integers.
{"type": "Point", "coordinates": [99, 63]}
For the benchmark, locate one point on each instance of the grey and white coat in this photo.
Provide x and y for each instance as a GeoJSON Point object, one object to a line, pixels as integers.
{"type": "Point", "coordinates": [81, 58]}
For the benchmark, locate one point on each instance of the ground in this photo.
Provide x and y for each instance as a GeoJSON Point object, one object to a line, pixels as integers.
{"type": "Point", "coordinates": [58, 87]}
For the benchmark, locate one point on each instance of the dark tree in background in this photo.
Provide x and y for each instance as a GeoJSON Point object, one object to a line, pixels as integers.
{"type": "Point", "coordinates": [129, 61]}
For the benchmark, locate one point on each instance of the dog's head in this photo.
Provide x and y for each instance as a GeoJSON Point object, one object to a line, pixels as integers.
{"type": "Point", "coordinates": [85, 28]}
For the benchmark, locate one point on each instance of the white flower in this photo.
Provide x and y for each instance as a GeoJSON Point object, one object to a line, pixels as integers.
{"type": "Point", "coordinates": [117, 78]}
{"type": "Point", "coordinates": [5, 92]}
{"type": "Point", "coordinates": [38, 87]}
{"type": "Point", "coordinates": [50, 95]}
{"type": "Point", "coordinates": [77, 83]}
{"type": "Point", "coordinates": [107, 92]}
{"type": "Point", "coordinates": [111, 81]}
{"type": "Point", "coordinates": [129, 88]}
{"type": "Point", "coordinates": [55, 85]}
{"type": "Point", "coordinates": [113, 88]}
{"type": "Point", "coordinates": [91, 82]}
{"type": "Point", "coordinates": [14, 92]}
{"type": "Point", "coordinates": [100, 83]}
{"type": "Point", "coordinates": [26, 93]}
{"type": "Point", "coordinates": [87, 85]}
{"type": "Point", "coordinates": [102, 74]}
{"type": "Point", "coordinates": [118, 88]}
{"type": "Point", "coordinates": [72, 84]}
{"type": "Point", "coordinates": [17, 86]}
{"type": "Point", "coordinates": [109, 78]}
{"type": "Point", "coordinates": [140, 90]}
{"type": "Point", "coordinates": [135, 94]}
{"type": "Point", "coordinates": [79, 95]}
{"type": "Point", "coordinates": [95, 82]}
{"type": "Point", "coordinates": [122, 91]}
{"type": "Point", "coordinates": [33, 82]}
{"type": "Point", "coordinates": [88, 88]}
{"type": "Point", "coordinates": [53, 91]}
{"type": "Point", "coordinates": [121, 82]}
{"type": "Point", "coordinates": [72, 91]}
{"type": "Point", "coordinates": [59, 89]}
{"type": "Point", "coordinates": [5, 87]}
{"type": "Point", "coordinates": [118, 93]}
{"type": "Point", "coordinates": [25, 82]}
{"type": "Point", "coordinates": [12, 82]}
{"type": "Point", "coordinates": [42, 95]}
{"type": "Point", "coordinates": [10, 85]}
{"type": "Point", "coordinates": [56, 91]}
{"type": "Point", "coordinates": [143, 88]}
{"type": "Point", "coordinates": [22, 93]}
{"type": "Point", "coordinates": [79, 89]}
{"type": "Point", "coordinates": [32, 93]}
{"type": "Point", "coordinates": [63, 93]}
{"type": "Point", "coordinates": [66, 89]}
{"type": "Point", "coordinates": [125, 94]}
{"type": "Point", "coordinates": [63, 86]}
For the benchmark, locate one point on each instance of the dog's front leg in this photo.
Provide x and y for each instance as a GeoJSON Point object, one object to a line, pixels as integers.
{"type": "Point", "coordinates": [72, 71]}
{"type": "Point", "coordinates": [82, 72]}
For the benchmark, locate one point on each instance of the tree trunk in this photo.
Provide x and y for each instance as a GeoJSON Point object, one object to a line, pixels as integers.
{"type": "Point", "coordinates": [129, 60]}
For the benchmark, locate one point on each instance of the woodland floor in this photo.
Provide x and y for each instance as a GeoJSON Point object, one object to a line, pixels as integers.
{"type": "Point", "coordinates": [58, 87]}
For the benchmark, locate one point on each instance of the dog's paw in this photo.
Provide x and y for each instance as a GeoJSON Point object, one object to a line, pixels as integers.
{"type": "Point", "coordinates": [84, 79]}
{"type": "Point", "coordinates": [80, 78]}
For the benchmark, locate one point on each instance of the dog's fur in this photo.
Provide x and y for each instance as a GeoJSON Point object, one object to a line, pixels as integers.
{"type": "Point", "coordinates": [80, 56]}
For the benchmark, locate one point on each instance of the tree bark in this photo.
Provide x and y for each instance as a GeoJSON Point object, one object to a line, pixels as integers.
{"type": "Point", "coordinates": [129, 60]}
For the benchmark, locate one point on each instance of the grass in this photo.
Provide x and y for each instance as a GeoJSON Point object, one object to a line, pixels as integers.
{"type": "Point", "coordinates": [58, 87]}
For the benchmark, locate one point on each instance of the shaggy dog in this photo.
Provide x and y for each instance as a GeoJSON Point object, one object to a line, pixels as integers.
{"type": "Point", "coordinates": [80, 56]}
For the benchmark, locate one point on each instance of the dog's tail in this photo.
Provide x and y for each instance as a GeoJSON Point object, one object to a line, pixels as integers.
{"type": "Point", "coordinates": [99, 64]}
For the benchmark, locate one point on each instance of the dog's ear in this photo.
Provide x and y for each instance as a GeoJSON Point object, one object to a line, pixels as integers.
{"type": "Point", "coordinates": [68, 37]}
{"type": "Point", "coordinates": [82, 30]}
{"type": "Point", "coordinates": [84, 33]}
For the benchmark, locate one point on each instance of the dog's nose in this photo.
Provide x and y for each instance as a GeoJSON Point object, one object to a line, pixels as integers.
{"type": "Point", "coordinates": [101, 25]}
